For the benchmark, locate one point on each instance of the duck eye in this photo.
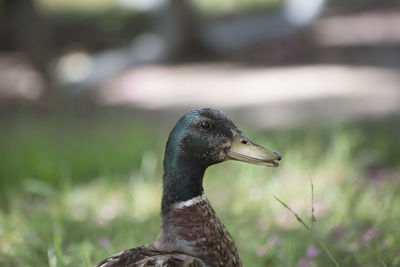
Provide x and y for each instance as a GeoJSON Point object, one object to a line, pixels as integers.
{"type": "Point", "coordinates": [205, 125]}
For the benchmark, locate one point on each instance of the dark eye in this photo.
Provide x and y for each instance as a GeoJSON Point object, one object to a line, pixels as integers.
{"type": "Point", "coordinates": [205, 125]}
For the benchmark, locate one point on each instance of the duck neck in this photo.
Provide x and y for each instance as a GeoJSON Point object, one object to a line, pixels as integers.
{"type": "Point", "coordinates": [182, 180]}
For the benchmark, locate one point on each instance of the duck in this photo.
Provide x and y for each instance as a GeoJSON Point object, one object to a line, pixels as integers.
{"type": "Point", "coordinates": [191, 233]}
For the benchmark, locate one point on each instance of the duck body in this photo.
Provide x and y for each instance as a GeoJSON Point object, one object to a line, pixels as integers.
{"type": "Point", "coordinates": [191, 233]}
{"type": "Point", "coordinates": [208, 243]}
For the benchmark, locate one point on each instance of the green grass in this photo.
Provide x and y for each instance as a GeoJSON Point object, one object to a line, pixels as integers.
{"type": "Point", "coordinates": [75, 188]}
{"type": "Point", "coordinates": [206, 7]}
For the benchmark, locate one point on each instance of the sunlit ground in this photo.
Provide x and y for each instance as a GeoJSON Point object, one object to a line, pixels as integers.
{"type": "Point", "coordinates": [285, 96]}
{"type": "Point", "coordinates": [75, 189]}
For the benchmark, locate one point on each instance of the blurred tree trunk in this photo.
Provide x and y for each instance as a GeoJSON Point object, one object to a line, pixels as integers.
{"type": "Point", "coordinates": [180, 27]}
{"type": "Point", "coordinates": [32, 36]}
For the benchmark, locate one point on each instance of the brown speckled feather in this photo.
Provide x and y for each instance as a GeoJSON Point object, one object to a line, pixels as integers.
{"type": "Point", "coordinates": [147, 257]}
{"type": "Point", "coordinates": [208, 237]}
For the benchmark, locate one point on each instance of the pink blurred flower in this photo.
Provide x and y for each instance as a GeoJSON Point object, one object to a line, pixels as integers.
{"type": "Point", "coordinates": [369, 234]}
{"type": "Point", "coordinates": [312, 252]}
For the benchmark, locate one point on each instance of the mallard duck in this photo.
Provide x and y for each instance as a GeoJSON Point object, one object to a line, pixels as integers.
{"type": "Point", "coordinates": [191, 233]}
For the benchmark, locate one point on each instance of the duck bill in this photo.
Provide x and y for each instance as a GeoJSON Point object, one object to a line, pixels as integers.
{"type": "Point", "coordinates": [243, 149]}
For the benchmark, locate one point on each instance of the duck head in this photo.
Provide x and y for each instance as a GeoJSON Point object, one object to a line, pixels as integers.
{"type": "Point", "coordinates": [201, 138]}
{"type": "Point", "coordinates": [207, 136]}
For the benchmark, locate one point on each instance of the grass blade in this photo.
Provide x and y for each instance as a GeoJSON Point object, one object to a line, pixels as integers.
{"type": "Point", "coordinates": [322, 244]}
{"type": "Point", "coordinates": [313, 219]}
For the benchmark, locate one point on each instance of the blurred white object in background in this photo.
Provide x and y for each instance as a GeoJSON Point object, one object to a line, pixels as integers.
{"type": "Point", "coordinates": [74, 67]}
{"type": "Point", "coordinates": [141, 5]}
{"type": "Point", "coordinates": [19, 79]}
{"type": "Point", "coordinates": [302, 12]}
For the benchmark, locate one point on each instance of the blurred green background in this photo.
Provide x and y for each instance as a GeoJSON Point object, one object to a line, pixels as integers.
{"type": "Point", "coordinates": [85, 112]}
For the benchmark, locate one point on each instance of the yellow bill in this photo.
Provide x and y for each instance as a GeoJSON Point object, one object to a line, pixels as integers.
{"type": "Point", "coordinates": [243, 149]}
